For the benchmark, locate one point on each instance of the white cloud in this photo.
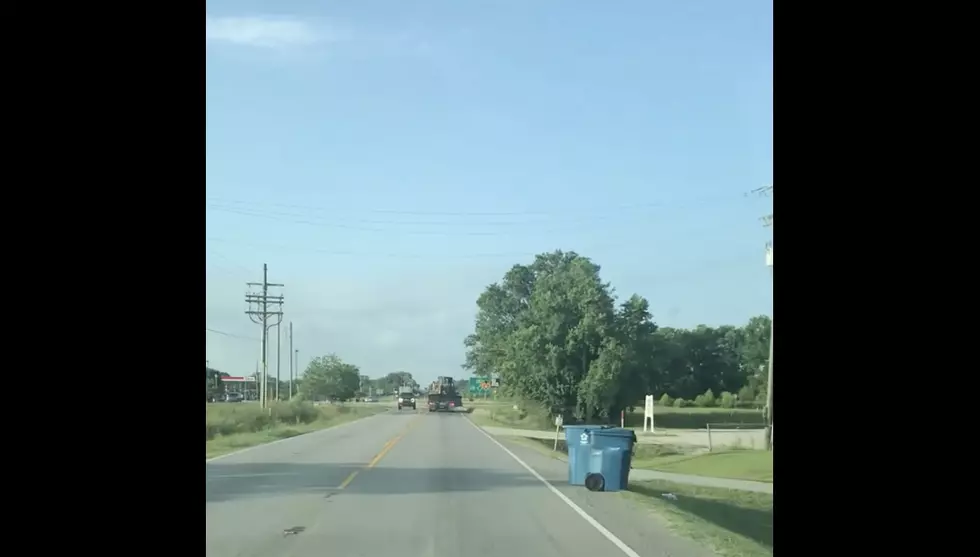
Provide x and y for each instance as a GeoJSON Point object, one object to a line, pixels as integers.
{"type": "Point", "coordinates": [268, 32]}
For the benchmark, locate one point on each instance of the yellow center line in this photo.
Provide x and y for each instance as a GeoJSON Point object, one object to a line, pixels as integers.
{"type": "Point", "coordinates": [377, 458]}
{"type": "Point", "coordinates": [348, 479]}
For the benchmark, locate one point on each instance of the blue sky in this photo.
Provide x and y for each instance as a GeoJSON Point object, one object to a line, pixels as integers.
{"type": "Point", "coordinates": [390, 158]}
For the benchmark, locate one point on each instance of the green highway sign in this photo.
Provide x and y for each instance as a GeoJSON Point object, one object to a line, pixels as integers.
{"type": "Point", "coordinates": [479, 385]}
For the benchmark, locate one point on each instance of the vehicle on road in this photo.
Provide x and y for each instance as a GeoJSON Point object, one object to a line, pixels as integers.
{"type": "Point", "coordinates": [234, 397]}
{"type": "Point", "coordinates": [406, 397]}
{"type": "Point", "coordinates": [443, 396]}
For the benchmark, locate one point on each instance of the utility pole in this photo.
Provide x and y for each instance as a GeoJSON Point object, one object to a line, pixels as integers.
{"type": "Point", "coordinates": [296, 368]}
{"type": "Point", "coordinates": [260, 308]}
{"type": "Point", "coordinates": [767, 221]}
{"type": "Point", "coordinates": [278, 357]}
{"type": "Point", "coordinates": [291, 358]}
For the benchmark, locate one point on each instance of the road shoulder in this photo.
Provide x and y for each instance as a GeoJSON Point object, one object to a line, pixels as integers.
{"type": "Point", "coordinates": [646, 532]}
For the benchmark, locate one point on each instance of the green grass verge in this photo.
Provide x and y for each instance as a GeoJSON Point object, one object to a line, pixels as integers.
{"type": "Point", "coordinates": [231, 427]}
{"type": "Point", "coordinates": [698, 418]}
{"type": "Point", "coordinates": [501, 413]}
{"type": "Point", "coordinates": [736, 464]}
{"type": "Point", "coordinates": [504, 415]}
{"type": "Point", "coordinates": [732, 523]}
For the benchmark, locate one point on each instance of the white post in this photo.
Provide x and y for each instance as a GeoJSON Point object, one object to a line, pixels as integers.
{"type": "Point", "coordinates": [558, 423]}
{"type": "Point", "coordinates": [648, 413]}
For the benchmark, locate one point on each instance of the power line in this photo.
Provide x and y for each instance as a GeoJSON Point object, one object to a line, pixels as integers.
{"type": "Point", "coordinates": [400, 227]}
{"type": "Point", "coordinates": [590, 211]}
{"type": "Point", "coordinates": [223, 333]}
{"type": "Point", "coordinates": [238, 268]}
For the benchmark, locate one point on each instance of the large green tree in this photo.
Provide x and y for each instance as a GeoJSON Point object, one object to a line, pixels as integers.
{"type": "Point", "coordinates": [552, 331]}
{"type": "Point", "coordinates": [329, 377]}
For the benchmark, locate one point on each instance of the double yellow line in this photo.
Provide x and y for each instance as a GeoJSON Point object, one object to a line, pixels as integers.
{"type": "Point", "coordinates": [381, 454]}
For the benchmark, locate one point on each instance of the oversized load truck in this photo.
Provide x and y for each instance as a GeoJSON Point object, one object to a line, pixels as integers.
{"type": "Point", "coordinates": [443, 396]}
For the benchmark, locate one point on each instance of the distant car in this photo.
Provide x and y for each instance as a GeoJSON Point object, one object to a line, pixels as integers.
{"type": "Point", "coordinates": [370, 399]}
{"type": "Point", "coordinates": [405, 400]}
{"type": "Point", "coordinates": [234, 397]}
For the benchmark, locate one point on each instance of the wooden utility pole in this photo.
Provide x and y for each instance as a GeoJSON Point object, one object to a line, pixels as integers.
{"type": "Point", "coordinates": [767, 221]}
{"type": "Point", "coordinates": [260, 308]}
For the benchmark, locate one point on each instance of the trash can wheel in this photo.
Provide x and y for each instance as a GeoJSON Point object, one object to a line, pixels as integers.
{"type": "Point", "coordinates": [595, 482]}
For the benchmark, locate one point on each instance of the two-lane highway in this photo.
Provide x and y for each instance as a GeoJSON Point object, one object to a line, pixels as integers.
{"type": "Point", "coordinates": [416, 485]}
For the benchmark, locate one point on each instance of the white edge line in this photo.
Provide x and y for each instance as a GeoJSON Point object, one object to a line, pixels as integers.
{"type": "Point", "coordinates": [277, 441]}
{"type": "Point", "coordinates": [588, 518]}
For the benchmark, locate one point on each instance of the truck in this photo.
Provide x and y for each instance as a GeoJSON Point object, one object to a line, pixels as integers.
{"type": "Point", "coordinates": [443, 396]}
{"type": "Point", "coordinates": [406, 397]}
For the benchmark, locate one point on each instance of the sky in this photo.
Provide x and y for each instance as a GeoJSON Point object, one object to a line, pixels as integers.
{"type": "Point", "coordinates": [389, 159]}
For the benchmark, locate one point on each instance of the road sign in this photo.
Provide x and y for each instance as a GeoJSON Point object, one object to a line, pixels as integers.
{"type": "Point", "coordinates": [238, 379]}
{"type": "Point", "coordinates": [479, 385]}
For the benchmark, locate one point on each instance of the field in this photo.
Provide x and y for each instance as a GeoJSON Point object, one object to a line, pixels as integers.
{"type": "Point", "coordinates": [502, 414]}
{"type": "Point", "coordinates": [231, 427]}
{"type": "Point", "coordinates": [733, 464]}
{"type": "Point", "coordinates": [733, 523]}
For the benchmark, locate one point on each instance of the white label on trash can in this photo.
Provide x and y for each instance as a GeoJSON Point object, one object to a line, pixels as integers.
{"type": "Point", "coordinates": [585, 438]}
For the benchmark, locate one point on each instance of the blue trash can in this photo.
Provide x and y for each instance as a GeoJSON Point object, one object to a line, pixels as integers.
{"type": "Point", "coordinates": [578, 441]}
{"type": "Point", "coordinates": [616, 445]}
{"type": "Point", "coordinates": [599, 456]}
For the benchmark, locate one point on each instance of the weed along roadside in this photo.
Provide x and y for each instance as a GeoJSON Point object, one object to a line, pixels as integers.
{"type": "Point", "coordinates": [231, 427]}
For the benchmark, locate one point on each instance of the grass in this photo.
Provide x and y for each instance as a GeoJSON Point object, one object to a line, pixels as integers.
{"type": "Point", "coordinates": [231, 427]}
{"type": "Point", "coordinates": [501, 413]}
{"type": "Point", "coordinates": [732, 523]}
{"type": "Point", "coordinates": [504, 415]}
{"type": "Point", "coordinates": [698, 418]}
{"type": "Point", "coordinates": [736, 464]}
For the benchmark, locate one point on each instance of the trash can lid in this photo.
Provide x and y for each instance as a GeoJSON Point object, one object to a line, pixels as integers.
{"type": "Point", "coordinates": [615, 432]}
{"type": "Point", "coordinates": [588, 427]}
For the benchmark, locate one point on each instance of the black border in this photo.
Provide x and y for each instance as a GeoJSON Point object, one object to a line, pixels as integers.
{"type": "Point", "coordinates": [839, 452]}
{"type": "Point", "coordinates": [117, 113]}
{"type": "Point", "coordinates": [111, 110]}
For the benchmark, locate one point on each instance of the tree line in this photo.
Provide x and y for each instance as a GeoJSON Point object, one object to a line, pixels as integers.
{"type": "Point", "coordinates": [555, 333]}
{"type": "Point", "coordinates": [325, 378]}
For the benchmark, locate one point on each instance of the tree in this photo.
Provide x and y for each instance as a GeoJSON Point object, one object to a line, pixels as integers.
{"type": "Point", "coordinates": [542, 328]}
{"type": "Point", "coordinates": [213, 386]}
{"type": "Point", "coordinates": [329, 377]}
{"type": "Point", "coordinates": [553, 333]}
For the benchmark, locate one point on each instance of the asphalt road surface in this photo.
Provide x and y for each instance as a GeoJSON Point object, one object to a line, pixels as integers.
{"type": "Point", "coordinates": [405, 484]}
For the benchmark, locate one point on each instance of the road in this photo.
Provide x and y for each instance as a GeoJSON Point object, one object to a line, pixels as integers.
{"type": "Point", "coordinates": [407, 484]}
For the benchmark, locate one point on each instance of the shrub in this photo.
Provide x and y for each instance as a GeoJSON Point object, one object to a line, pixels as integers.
{"type": "Point", "coordinates": [727, 400]}
{"type": "Point", "coordinates": [229, 419]}
{"type": "Point", "coordinates": [706, 400]}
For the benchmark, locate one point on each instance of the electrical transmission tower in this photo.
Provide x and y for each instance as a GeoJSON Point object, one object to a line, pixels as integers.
{"type": "Point", "coordinates": [767, 221]}
{"type": "Point", "coordinates": [266, 310]}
